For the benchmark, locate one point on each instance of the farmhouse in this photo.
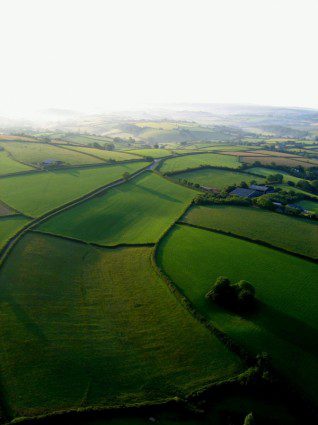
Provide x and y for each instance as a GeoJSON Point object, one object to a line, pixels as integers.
{"type": "Point", "coordinates": [252, 192]}
{"type": "Point", "coordinates": [49, 162]}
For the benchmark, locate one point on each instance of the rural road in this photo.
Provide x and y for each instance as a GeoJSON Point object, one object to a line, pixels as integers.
{"type": "Point", "coordinates": [11, 242]}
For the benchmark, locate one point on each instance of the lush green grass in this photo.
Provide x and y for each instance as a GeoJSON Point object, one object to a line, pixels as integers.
{"type": "Point", "coordinates": [216, 179]}
{"type": "Point", "coordinates": [309, 205]}
{"type": "Point", "coordinates": [82, 326]}
{"type": "Point", "coordinates": [288, 188]}
{"type": "Point", "coordinates": [286, 324]}
{"type": "Point", "coordinates": [35, 153]}
{"type": "Point", "coordinates": [106, 155]}
{"type": "Point", "coordinates": [9, 226]}
{"type": "Point", "coordinates": [8, 165]}
{"type": "Point", "coordinates": [294, 234]}
{"type": "Point", "coordinates": [193, 161]}
{"type": "Point", "coordinates": [154, 153]}
{"type": "Point", "coordinates": [135, 212]}
{"type": "Point", "coordinates": [267, 172]}
{"type": "Point", "coordinates": [37, 193]}
{"type": "Point", "coordinates": [280, 160]}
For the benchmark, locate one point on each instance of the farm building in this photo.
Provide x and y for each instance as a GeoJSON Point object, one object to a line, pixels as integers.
{"type": "Point", "coordinates": [252, 192]}
{"type": "Point", "coordinates": [49, 162]}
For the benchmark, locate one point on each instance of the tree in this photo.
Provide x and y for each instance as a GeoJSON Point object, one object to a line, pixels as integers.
{"type": "Point", "coordinates": [156, 146]}
{"type": "Point", "coordinates": [110, 147]}
{"type": "Point", "coordinates": [221, 291]}
{"type": "Point", "coordinates": [244, 185]}
{"type": "Point", "coordinates": [126, 175]}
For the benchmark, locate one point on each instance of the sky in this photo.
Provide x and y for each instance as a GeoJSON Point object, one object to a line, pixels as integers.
{"type": "Point", "coordinates": [96, 55]}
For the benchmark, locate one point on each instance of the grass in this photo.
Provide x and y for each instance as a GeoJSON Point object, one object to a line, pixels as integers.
{"type": "Point", "coordinates": [9, 226]}
{"type": "Point", "coordinates": [216, 179]}
{"type": "Point", "coordinates": [284, 160]}
{"type": "Point", "coordinates": [267, 172]}
{"type": "Point", "coordinates": [8, 165]}
{"type": "Point", "coordinates": [309, 205]}
{"type": "Point", "coordinates": [291, 233]}
{"type": "Point", "coordinates": [83, 326]}
{"type": "Point", "coordinates": [192, 161]}
{"type": "Point", "coordinates": [135, 212]}
{"type": "Point", "coordinates": [285, 324]}
{"type": "Point", "coordinates": [154, 153]}
{"type": "Point", "coordinates": [106, 155]}
{"type": "Point", "coordinates": [37, 193]}
{"type": "Point", "coordinates": [35, 153]}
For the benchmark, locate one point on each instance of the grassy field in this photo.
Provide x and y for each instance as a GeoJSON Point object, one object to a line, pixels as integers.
{"type": "Point", "coordinates": [291, 233]}
{"type": "Point", "coordinates": [267, 172]}
{"type": "Point", "coordinates": [285, 161]}
{"type": "Point", "coordinates": [106, 155]}
{"type": "Point", "coordinates": [9, 226]}
{"type": "Point", "coordinates": [216, 179]}
{"type": "Point", "coordinates": [8, 165]}
{"type": "Point", "coordinates": [309, 205]}
{"type": "Point", "coordinates": [82, 326]}
{"type": "Point", "coordinates": [154, 153]}
{"type": "Point", "coordinates": [135, 212]}
{"type": "Point", "coordinates": [287, 318]}
{"type": "Point", "coordinates": [34, 153]}
{"type": "Point", "coordinates": [5, 209]}
{"type": "Point", "coordinates": [37, 193]}
{"type": "Point", "coordinates": [193, 161]}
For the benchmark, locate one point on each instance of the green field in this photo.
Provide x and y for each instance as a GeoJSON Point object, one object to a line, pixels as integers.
{"type": "Point", "coordinates": [216, 179]}
{"type": "Point", "coordinates": [106, 155]}
{"type": "Point", "coordinates": [267, 172]}
{"type": "Point", "coordinates": [311, 206]}
{"type": "Point", "coordinates": [280, 160]}
{"type": "Point", "coordinates": [9, 226]}
{"type": "Point", "coordinates": [37, 193]}
{"type": "Point", "coordinates": [192, 161]}
{"type": "Point", "coordinates": [294, 234]}
{"type": "Point", "coordinates": [8, 165]}
{"type": "Point", "coordinates": [285, 324]}
{"type": "Point", "coordinates": [154, 153]}
{"type": "Point", "coordinates": [35, 153]}
{"type": "Point", "coordinates": [5, 210]}
{"type": "Point", "coordinates": [83, 326]}
{"type": "Point", "coordinates": [135, 212]}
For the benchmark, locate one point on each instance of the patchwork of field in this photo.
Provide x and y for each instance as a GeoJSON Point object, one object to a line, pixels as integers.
{"type": "Point", "coordinates": [277, 160]}
{"type": "Point", "coordinates": [106, 155]}
{"type": "Point", "coordinates": [193, 161]}
{"type": "Point", "coordinates": [8, 165]}
{"type": "Point", "coordinates": [83, 326]}
{"type": "Point", "coordinates": [268, 171]}
{"type": "Point", "coordinates": [154, 153]}
{"type": "Point", "coordinates": [291, 233]}
{"type": "Point", "coordinates": [9, 226]}
{"type": "Point", "coordinates": [217, 179]}
{"type": "Point", "coordinates": [286, 320]}
{"type": "Point", "coordinates": [37, 193]}
{"type": "Point", "coordinates": [136, 212]}
{"type": "Point", "coordinates": [35, 153]}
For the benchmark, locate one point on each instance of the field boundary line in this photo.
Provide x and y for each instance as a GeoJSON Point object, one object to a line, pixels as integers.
{"type": "Point", "coordinates": [6, 249]}
{"type": "Point", "coordinates": [247, 239]}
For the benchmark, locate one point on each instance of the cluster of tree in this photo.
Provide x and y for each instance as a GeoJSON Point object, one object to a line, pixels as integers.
{"type": "Point", "coordinates": [309, 186]}
{"type": "Point", "coordinates": [299, 171]}
{"type": "Point", "coordinates": [274, 179]}
{"type": "Point", "coordinates": [238, 296]}
{"type": "Point", "coordinates": [220, 199]}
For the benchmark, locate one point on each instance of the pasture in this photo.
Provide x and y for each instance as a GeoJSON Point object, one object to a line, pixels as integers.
{"type": "Point", "coordinates": [5, 209]}
{"type": "Point", "coordinates": [9, 226]}
{"type": "Point", "coordinates": [83, 326]}
{"type": "Point", "coordinates": [185, 162]}
{"type": "Point", "coordinates": [37, 193]}
{"type": "Point", "coordinates": [286, 289]}
{"type": "Point", "coordinates": [136, 212]}
{"type": "Point", "coordinates": [280, 160]}
{"type": "Point", "coordinates": [35, 153]}
{"type": "Point", "coordinates": [217, 179]}
{"type": "Point", "coordinates": [8, 165]}
{"type": "Point", "coordinates": [287, 232]}
{"type": "Point", "coordinates": [154, 153]}
{"type": "Point", "coordinates": [309, 206]}
{"type": "Point", "coordinates": [268, 171]}
{"type": "Point", "coordinates": [106, 155]}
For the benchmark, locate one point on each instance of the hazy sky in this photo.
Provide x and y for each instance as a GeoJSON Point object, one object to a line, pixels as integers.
{"type": "Point", "coordinates": [104, 54]}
